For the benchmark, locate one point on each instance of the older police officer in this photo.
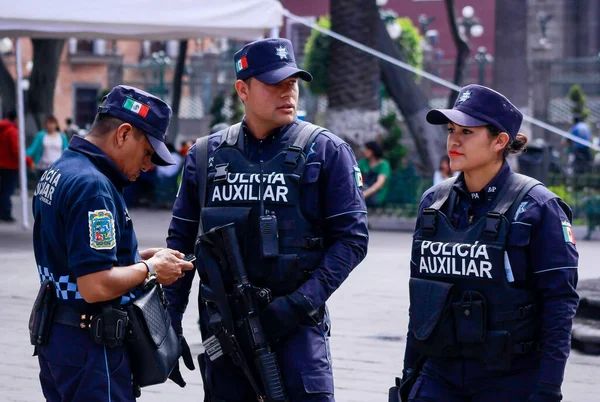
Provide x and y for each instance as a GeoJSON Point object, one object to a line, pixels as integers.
{"type": "Point", "coordinates": [493, 268]}
{"type": "Point", "coordinates": [85, 245]}
{"type": "Point", "coordinates": [311, 187]}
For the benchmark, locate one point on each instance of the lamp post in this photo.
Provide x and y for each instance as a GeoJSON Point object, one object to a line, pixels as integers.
{"type": "Point", "coordinates": [160, 62]}
{"type": "Point", "coordinates": [469, 24]}
{"type": "Point", "coordinates": [5, 45]}
{"type": "Point", "coordinates": [482, 58]}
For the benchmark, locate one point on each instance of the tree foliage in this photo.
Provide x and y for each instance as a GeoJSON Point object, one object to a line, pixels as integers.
{"type": "Point", "coordinates": [579, 99]}
{"type": "Point", "coordinates": [317, 51]}
{"type": "Point", "coordinates": [393, 150]}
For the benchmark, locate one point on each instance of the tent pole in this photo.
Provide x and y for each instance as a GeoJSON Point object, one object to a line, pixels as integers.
{"type": "Point", "coordinates": [21, 115]}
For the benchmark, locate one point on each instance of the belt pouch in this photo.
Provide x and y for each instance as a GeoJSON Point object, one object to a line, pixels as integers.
{"type": "Point", "coordinates": [470, 317]}
{"type": "Point", "coordinates": [42, 313]}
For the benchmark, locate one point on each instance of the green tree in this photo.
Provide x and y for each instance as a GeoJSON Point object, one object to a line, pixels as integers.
{"type": "Point", "coordinates": [318, 46]}
{"type": "Point", "coordinates": [216, 109]}
{"type": "Point", "coordinates": [579, 99]}
{"type": "Point", "coordinates": [393, 150]}
{"type": "Point", "coordinates": [317, 57]}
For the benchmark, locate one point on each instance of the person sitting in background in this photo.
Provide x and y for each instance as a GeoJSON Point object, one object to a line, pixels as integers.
{"type": "Point", "coordinates": [444, 171]}
{"type": "Point", "coordinates": [48, 145]}
{"type": "Point", "coordinates": [376, 172]}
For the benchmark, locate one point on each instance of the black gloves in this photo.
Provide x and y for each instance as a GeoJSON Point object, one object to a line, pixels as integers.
{"type": "Point", "coordinates": [175, 375]}
{"type": "Point", "coordinates": [545, 392]}
{"type": "Point", "coordinates": [285, 313]}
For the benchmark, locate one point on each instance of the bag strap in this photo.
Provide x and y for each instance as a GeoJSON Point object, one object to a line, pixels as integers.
{"type": "Point", "coordinates": [202, 169]}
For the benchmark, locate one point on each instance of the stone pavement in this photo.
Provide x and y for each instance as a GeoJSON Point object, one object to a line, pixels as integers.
{"type": "Point", "coordinates": [369, 320]}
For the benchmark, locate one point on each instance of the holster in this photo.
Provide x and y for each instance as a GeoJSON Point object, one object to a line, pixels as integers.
{"type": "Point", "coordinates": [154, 347]}
{"type": "Point", "coordinates": [42, 314]}
{"type": "Point", "coordinates": [109, 327]}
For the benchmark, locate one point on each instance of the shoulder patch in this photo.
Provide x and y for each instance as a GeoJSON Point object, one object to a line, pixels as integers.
{"type": "Point", "coordinates": [520, 209]}
{"type": "Point", "coordinates": [568, 232]}
{"type": "Point", "coordinates": [102, 229]}
{"type": "Point", "coordinates": [358, 176]}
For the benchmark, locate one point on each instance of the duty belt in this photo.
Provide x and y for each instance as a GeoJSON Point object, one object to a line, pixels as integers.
{"type": "Point", "coordinates": [108, 327]}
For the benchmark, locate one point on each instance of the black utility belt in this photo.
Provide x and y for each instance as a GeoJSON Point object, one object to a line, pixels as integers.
{"type": "Point", "coordinates": [108, 327]}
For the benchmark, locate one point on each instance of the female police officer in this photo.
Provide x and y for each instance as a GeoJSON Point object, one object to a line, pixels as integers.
{"type": "Point", "coordinates": [493, 268]}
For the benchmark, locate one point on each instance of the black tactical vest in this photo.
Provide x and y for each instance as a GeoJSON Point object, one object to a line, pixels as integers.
{"type": "Point", "coordinates": [280, 246]}
{"type": "Point", "coordinates": [462, 304]}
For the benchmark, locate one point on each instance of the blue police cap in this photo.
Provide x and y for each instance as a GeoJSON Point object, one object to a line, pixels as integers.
{"type": "Point", "coordinates": [477, 105]}
{"type": "Point", "coordinates": [145, 112]}
{"type": "Point", "coordinates": [268, 60]}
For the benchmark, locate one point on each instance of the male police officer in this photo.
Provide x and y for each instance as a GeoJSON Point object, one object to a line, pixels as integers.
{"type": "Point", "coordinates": [85, 245]}
{"type": "Point", "coordinates": [265, 169]}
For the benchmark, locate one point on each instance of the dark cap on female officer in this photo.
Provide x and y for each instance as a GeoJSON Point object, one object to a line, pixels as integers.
{"type": "Point", "coordinates": [477, 105]}
{"type": "Point", "coordinates": [268, 60]}
{"type": "Point", "coordinates": [145, 112]}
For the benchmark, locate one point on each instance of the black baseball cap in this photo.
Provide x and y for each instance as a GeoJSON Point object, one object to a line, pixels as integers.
{"type": "Point", "coordinates": [269, 60]}
{"type": "Point", "coordinates": [477, 105]}
{"type": "Point", "coordinates": [144, 111]}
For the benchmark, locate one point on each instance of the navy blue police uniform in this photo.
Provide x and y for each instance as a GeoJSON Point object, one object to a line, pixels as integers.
{"type": "Point", "coordinates": [499, 268]}
{"type": "Point", "coordinates": [314, 191]}
{"type": "Point", "coordinates": [81, 227]}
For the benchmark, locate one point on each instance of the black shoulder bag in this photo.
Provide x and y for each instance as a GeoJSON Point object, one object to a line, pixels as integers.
{"type": "Point", "coordinates": [154, 347]}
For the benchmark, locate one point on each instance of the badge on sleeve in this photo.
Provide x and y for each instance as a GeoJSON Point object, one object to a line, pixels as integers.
{"type": "Point", "coordinates": [358, 177]}
{"type": "Point", "coordinates": [102, 229]}
{"type": "Point", "coordinates": [568, 232]}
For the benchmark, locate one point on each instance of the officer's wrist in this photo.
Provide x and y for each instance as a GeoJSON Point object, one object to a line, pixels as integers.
{"type": "Point", "coordinates": [150, 268]}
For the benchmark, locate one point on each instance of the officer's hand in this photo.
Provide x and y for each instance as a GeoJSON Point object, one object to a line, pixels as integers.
{"type": "Point", "coordinates": [149, 252]}
{"type": "Point", "coordinates": [279, 318]}
{"type": "Point", "coordinates": [186, 354]}
{"type": "Point", "coordinates": [169, 266]}
{"type": "Point", "coordinates": [545, 392]}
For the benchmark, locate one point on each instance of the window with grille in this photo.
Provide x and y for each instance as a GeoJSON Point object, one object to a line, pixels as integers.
{"type": "Point", "coordinates": [86, 105]}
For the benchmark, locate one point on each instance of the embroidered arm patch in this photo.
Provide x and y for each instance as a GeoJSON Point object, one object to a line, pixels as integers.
{"type": "Point", "coordinates": [102, 229]}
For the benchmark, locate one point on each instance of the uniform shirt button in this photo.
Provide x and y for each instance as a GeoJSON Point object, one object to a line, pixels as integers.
{"type": "Point", "coordinates": [260, 151]}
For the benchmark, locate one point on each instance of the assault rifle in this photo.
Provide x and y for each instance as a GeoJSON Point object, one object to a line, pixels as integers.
{"type": "Point", "coordinates": [232, 305]}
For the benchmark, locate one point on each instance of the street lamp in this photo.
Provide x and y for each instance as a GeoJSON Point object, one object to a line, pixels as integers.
{"type": "Point", "coordinates": [5, 45]}
{"type": "Point", "coordinates": [543, 19]}
{"type": "Point", "coordinates": [469, 24]}
{"type": "Point", "coordinates": [424, 21]}
{"type": "Point", "coordinates": [482, 58]}
{"type": "Point", "coordinates": [160, 61]}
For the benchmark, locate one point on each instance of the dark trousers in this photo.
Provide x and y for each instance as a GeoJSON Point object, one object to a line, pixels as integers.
{"type": "Point", "coordinates": [74, 369]}
{"type": "Point", "coordinates": [468, 381]}
{"type": "Point", "coordinates": [8, 183]}
{"type": "Point", "coordinates": [304, 360]}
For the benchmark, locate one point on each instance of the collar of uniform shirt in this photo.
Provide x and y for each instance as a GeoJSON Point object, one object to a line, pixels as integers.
{"type": "Point", "coordinates": [100, 159]}
{"type": "Point", "coordinates": [488, 193]}
{"type": "Point", "coordinates": [251, 143]}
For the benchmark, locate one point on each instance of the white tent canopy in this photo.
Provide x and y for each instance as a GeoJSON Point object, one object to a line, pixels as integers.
{"type": "Point", "coordinates": [140, 19]}
{"type": "Point", "coordinates": [132, 19]}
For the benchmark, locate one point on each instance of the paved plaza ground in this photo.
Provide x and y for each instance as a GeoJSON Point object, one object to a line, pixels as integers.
{"type": "Point", "coordinates": [369, 320]}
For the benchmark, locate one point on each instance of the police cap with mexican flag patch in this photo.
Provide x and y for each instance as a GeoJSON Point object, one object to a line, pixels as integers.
{"type": "Point", "coordinates": [144, 111]}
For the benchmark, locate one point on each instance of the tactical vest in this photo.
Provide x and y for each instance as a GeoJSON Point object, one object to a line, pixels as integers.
{"type": "Point", "coordinates": [280, 246]}
{"type": "Point", "coordinates": [464, 302]}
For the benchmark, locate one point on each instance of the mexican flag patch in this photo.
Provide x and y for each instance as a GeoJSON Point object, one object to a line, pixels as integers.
{"type": "Point", "coordinates": [568, 232]}
{"type": "Point", "coordinates": [136, 107]}
{"type": "Point", "coordinates": [358, 177]}
{"type": "Point", "coordinates": [241, 64]}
